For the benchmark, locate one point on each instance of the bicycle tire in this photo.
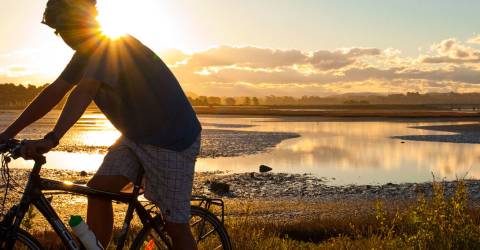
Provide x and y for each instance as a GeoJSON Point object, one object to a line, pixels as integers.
{"type": "Point", "coordinates": [27, 240]}
{"type": "Point", "coordinates": [144, 237]}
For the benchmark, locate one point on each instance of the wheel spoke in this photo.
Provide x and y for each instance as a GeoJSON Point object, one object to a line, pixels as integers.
{"type": "Point", "coordinates": [207, 234]}
{"type": "Point", "coordinates": [218, 247]}
{"type": "Point", "coordinates": [200, 232]}
{"type": "Point", "coordinates": [206, 229]}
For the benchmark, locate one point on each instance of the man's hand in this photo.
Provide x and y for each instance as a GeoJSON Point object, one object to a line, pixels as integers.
{"type": "Point", "coordinates": [34, 148]}
{"type": "Point", "coordinates": [4, 137]}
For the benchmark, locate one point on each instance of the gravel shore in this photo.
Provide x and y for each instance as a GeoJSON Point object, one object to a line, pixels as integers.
{"type": "Point", "coordinates": [272, 186]}
{"type": "Point", "coordinates": [464, 133]}
{"type": "Point", "coordinates": [273, 196]}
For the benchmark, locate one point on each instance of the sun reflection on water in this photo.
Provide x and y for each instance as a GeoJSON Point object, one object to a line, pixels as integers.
{"type": "Point", "coordinates": [351, 152]}
{"type": "Point", "coordinates": [99, 137]}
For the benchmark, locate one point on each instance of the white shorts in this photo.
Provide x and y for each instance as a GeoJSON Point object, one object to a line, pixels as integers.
{"type": "Point", "coordinates": [168, 177]}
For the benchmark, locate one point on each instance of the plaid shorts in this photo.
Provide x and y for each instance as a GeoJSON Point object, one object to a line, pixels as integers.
{"type": "Point", "coordinates": [168, 177]}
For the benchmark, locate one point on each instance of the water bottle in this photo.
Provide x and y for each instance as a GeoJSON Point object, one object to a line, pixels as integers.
{"type": "Point", "coordinates": [86, 236]}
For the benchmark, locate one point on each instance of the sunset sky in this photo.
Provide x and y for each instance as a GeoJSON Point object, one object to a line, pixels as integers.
{"type": "Point", "coordinates": [280, 47]}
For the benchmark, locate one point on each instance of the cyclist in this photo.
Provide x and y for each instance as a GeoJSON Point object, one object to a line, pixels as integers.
{"type": "Point", "coordinates": [141, 97]}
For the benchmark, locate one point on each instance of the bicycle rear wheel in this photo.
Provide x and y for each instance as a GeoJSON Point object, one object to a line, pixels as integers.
{"type": "Point", "coordinates": [24, 240]}
{"type": "Point", "coordinates": [207, 230]}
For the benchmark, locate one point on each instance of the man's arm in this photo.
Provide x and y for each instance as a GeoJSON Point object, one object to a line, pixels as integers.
{"type": "Point", "coordinates": [76, 105]}
{"type": "Point", "coordinates": [39, 107]}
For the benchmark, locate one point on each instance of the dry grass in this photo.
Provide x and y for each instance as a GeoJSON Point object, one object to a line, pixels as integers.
{"type": "Point", "coordinates": [437, 223]}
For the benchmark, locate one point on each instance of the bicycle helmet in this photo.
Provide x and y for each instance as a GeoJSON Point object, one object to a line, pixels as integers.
{"type": "Point", "coordinates": [64, 14]}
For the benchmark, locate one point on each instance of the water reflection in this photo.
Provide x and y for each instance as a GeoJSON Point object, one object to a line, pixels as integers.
{"type": "Point", "coordinates": [359, 152]}
{"type": "Point", "coordinates": [349, 151]}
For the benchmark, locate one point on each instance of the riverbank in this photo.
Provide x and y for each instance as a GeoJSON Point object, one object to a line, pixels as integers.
{"type": "Point", "coordinates": [366, 111]}
{"type": "Point", "coordinates": [345, 111]}
{"type": "Point", "coordinates": [349, 217]}
{"type": "Point", "coordinates": [276, 187]}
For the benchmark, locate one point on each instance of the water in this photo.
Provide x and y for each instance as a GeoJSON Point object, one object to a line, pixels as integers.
{"type": "Point", "coordinates": [346, 152]}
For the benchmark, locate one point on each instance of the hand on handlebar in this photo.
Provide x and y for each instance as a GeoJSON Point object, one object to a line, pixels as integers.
{"type": "Point", "coordinates": [4, 137]}
{"type": "Point", "coordinates": [32, 149]}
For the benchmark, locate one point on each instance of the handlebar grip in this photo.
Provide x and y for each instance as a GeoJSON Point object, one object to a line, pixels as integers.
{"type": "Point", "coordinates": [10, 145]}
{"type": "Point", "coordinates": [16, 151]}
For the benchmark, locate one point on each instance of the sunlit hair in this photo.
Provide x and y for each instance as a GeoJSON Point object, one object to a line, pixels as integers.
{"type": "Point", "coordinates": [63, 14]}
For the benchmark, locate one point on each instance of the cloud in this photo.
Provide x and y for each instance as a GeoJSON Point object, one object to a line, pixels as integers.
{"type": "Point", "coordinates": [328, 60]}
{"type": "Point", "coordinates": [446, 59]}
{"type": "Point", "coordinates": [246, 56]}
{"type": "Point", "coordinates": [17, 69]}
{"type": "Point", "coordinates": [474, 40]}
{"type": "Point", "coordinates": [453, 52]}
{"type": "Point", "coordinates": [450, 65]}
{"type": "Point", "coordinates": [290, 76]}
{"type": "Point", "coordinates": [172, 56]}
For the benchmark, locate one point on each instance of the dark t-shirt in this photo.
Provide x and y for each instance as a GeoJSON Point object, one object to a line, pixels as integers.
{"type": "Point", "coordinates": [139, 94]}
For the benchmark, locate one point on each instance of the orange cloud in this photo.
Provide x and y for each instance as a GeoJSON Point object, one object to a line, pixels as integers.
{"type": "Point", "coordinates": [451, 65]}
{"type": "Point", "coordinates": [453, 52]}
{"type": "Point", "coordinates": [246, 56]}
{"type": "Point", "coordinates": [474, 40]}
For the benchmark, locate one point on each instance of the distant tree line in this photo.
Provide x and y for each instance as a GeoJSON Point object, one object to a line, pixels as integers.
{"type": "Point", "coordinates": [12, 95]}
{"type": "Point", "coordinates": [19, 96]}
{"type": "Point", "coordinates": [226, 101]}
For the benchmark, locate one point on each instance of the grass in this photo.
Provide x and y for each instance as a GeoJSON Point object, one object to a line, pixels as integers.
{"type": "Point", "coordinates": [438, 222]}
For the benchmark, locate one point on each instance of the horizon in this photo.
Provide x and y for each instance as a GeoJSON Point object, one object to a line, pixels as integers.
{"type": "Point", "coordinates": [332, 48]}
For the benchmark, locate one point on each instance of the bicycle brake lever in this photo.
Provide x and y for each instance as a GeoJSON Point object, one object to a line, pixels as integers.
{"type": "Point", "coordinates": [15, 152]}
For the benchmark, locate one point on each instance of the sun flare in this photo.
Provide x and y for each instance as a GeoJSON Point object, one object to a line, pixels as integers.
{"type": "Point", "coordinates": [114, 17]}
{"type": "Point", "coordinates": [147, 20]}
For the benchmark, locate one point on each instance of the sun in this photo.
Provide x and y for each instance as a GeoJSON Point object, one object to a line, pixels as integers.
{"type": "Point", "coordinates": [114, 17]}
{"type": "Point", "coordinates": [148, 20]}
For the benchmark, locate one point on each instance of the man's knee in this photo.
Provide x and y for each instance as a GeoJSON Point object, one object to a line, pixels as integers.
{"type": "Point", "coordinates": [113, 183]}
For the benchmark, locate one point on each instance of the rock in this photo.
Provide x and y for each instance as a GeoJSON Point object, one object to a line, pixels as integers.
{"type": "Point", "coordinates": [80, 182]}
{"type": "Point", "coordinates": [265, 169]}
{"type": "Point", "coordinates": [219, 188]}
{"type": "Point", "coordinates": [83, 173]}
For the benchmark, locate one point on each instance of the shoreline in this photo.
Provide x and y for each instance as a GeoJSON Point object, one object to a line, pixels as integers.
{"type": "Point", "coordinates": [328, 111]}
{"type": "Point", "coordinates": [342, 113]}
{"type": "Point", "coordinates": [282, 186]}
{"type": "Point", "coordinates": [276, 197]}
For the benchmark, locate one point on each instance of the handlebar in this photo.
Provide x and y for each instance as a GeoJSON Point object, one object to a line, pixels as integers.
{"type": "Point", "coordinates": [12, 147]}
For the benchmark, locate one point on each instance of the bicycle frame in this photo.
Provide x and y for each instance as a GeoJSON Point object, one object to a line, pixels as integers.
{"type": "Point", "coordinates": [33, 195]}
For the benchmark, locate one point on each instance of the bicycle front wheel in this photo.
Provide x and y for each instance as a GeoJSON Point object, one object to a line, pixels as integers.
{"type": "Point", "coordinates": [207, 230]}
{"type": "Point", "coordinates": [24, 241]}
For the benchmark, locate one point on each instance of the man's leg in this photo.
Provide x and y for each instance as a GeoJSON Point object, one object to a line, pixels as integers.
{"type": "Point", "coordinates": [100, 212]}
{"type": "Point", "coordinates": [181, 236]}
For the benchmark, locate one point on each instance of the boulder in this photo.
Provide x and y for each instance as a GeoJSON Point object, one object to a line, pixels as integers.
{"type": "Point", "coordinates": [264, 169]}
{"type": "Point", "coordinates": [83, 173]}
{"type": "Point", "coordinates": [219, 188]}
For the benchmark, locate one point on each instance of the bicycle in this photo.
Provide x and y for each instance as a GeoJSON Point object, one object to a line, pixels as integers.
{"type": "Point", "coordinates": [207, 228]}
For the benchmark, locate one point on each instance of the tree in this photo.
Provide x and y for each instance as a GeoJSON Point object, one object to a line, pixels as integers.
{"type": "Point", "coordinates": [213, 100]}
{"type": "Point", "coordinates": [230, 101]}
{"type": "Point", "coordinates": [202, 101]}
{"type": "Point", "coordinates": [247, 101]}
{"type": "Point", "coordinates": [255, 101]}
